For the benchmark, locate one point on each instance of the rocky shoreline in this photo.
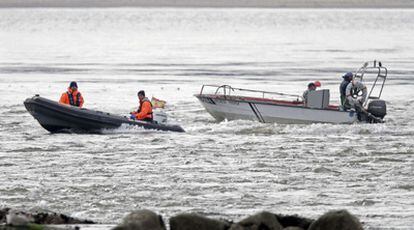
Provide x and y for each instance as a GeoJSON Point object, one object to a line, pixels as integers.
{"type": "Point", "coordinates": [149, 220]}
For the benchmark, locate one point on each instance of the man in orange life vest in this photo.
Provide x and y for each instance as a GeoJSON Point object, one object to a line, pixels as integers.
{"type": "Point", "coordinates": [144, 112]}
{"type": "Point", "coordinates": [72, 96]}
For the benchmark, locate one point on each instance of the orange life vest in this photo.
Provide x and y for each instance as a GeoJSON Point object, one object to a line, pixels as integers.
{"type": "Point", "coordinates": [145, 110]}
{"type": "Point", "coordinates": [73, 98]}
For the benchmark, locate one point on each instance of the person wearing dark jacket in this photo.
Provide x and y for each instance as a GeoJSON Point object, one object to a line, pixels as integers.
{"type": "Point", "coordinates": [342, 89]}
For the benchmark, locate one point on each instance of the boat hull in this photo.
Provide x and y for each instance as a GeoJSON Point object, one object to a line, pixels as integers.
{"type": "Point", "coordinates": [56, 117]}
{"type": "Point", "coordinates": [268, 111]}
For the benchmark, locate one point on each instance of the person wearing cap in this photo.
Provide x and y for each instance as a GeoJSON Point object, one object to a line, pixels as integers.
{"type": "Point", "coordinates": [342, 89]}
{"type": "Point", "coordinates": [72, 96]}
{"type": "Point", "coordinates": [311, 87]}
{"type": "Point", "coordinates": [352, 93]}
{"type": "Point", "coordinates": [144, 112]}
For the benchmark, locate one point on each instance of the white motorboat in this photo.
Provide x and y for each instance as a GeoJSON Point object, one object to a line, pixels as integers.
{"type": "Point", "coordinates": [226, 102]}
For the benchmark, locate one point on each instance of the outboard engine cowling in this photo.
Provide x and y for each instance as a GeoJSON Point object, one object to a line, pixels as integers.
{"type": "Point", "coordinates": [160, 117]}
{"type": "Point", "coordinates": [377, 108]}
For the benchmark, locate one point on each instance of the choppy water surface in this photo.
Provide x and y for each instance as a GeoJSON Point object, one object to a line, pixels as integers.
{"type": "Point", "coordinates": [228, 169]}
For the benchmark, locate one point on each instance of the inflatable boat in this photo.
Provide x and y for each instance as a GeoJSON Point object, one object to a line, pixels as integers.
{"type": "Point", "coordinates": [56, 117]}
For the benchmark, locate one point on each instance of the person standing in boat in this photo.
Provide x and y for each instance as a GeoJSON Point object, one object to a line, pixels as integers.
{"type": "Point", "coordinates": [72, 96]}
{"type": "Point", "coordinates": [311, 87]}
{"type": "Point", "coordinates": [356, 94]}
{"type": "Point", "coordinates": [342, 89]}
{"type": "Point", "coordinates": [144, 112]}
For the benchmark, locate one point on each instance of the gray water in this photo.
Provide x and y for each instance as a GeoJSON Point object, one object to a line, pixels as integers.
{"type": "Point", "coordinates": [228, 169]}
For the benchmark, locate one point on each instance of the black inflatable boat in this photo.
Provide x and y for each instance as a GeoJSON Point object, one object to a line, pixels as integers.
{"type": "Point", "coordinates": [56, 117]}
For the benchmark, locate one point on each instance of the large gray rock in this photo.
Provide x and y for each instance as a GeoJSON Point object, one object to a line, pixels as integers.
{"type": "Point", "coordinates": [196, 222]}
{"type": "Point", "coordinates": [293, 228]}
{"type": "Point", "coordinates": [336, 220]}
{"type": "Point", "coordinates": [56, 218]}
{"type": "Point", "coordinates": [294, 221]}
{"type": "Point", "coordinates": [3, 213]}
{"type": "Point", "coordinates": [20, 217]}
{"type": "Point", "coordinates": [262, 220]}
{"type": "Point", "coordinates": [142, 220]}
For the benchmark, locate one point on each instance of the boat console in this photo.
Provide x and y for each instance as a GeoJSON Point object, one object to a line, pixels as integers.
{"type": "Point", "coordinates": [318, 99]}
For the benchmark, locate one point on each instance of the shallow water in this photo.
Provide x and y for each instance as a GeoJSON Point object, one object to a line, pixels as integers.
{"type": "Point", "coordinates": [228, 169]}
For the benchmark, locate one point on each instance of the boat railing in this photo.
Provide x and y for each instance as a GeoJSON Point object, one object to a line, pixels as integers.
{"type": "Point", "coordinates": [377, 69]}
{"type": "Point", "coordinates": [227, 90]}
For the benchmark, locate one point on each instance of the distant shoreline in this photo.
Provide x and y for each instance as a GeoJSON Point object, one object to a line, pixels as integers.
{"type": "Point", "coordinates": [209, 3]}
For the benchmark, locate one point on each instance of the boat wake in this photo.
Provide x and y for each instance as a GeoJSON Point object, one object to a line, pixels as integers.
{"type": "Point", "coordinates": [126, 128]}
{"type": "Point", "coordinates": [246, 127]}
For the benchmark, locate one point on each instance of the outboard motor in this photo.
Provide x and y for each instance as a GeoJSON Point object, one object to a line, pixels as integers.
{"type": "Point", "coordinates": [377, 108]}
{"type": "Point", "coordinates": [375, 112]}
{"type": "Point", "coordinates": [160, 117]}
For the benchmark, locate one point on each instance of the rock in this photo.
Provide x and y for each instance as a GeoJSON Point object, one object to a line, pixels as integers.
{"type": "Point", "coordinates": [294, 221]}
{"type": "Point", "coordinates": [3, 213]}
{"type": "Point", "coordinates": [338, 220]}
{"type": "Point", "coordinates": [55, 218]}
{"type": "Point", "coordinates": [294, 228]}
{"type": "Point", "coordinates": [262, 220]}
{"type": "Point", "coordinates": [18, 218]}
{"type": "Point", "coordinates": [15, 217]}
{"type": "Point", "coordinates": [142, 220]}
{"type": "Point", "coordinates": [197, 222]}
